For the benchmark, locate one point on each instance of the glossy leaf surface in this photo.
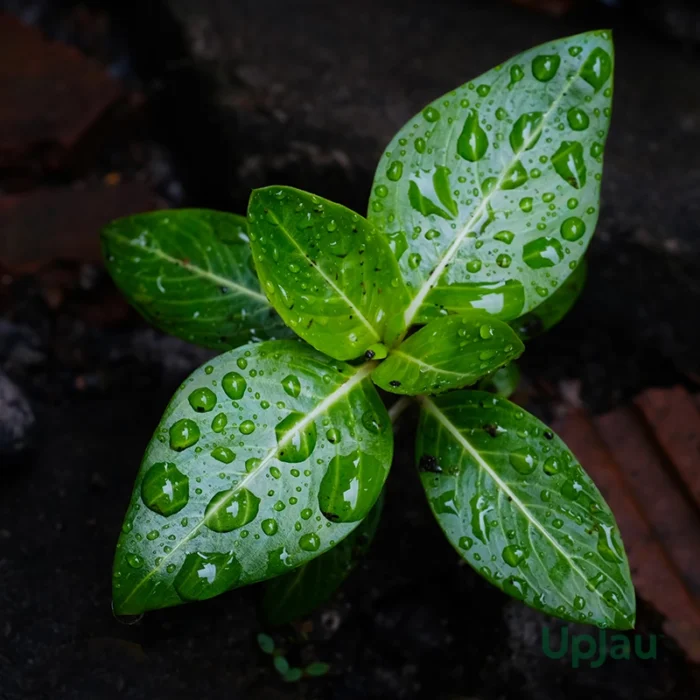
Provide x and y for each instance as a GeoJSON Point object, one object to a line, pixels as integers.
{"type": "Point", "coordinates": [189, 272]}
{"type": "Point", "coordinates": [553, 308]}
{"type": "Point", "coordinates": [331, 277]}
{"type": "Point", "coordinates": [264, 459]}
{"type": "Point", "coordinates": [301, 591]}
{"type": "Point", "coordinates": [503, 381]}
{"type": "Point", "coordinates": [490, 195]}
{"type": "Point", "coordinates": [448, 353]}
{"type": "Point", "coordinates": [517, 506]}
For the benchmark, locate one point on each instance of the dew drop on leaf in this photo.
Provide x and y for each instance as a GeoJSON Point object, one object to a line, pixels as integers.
{"type": "Point", "coordinates": [544, 68]}
{"type": "Point", "coordinates": [231, 509]}
{"type": "Point", "coordinates": [202, 400]}
{"type": "Point", "coordinates": [291, 385]}
{"type": "Point", "coordinates": [165, 489]}
{"type": "Point", "coordinates": [310, 542]}
{"type": "Point", "coordinates": [205, 575]}
{"type": "Point", "coordinates": [183, 434]}
{"type": "Point", "coordinates": [234, 385]}
{"type": "Point", "coordinates": [301, 444]}
{"type": "Point", "coordinates": [523, 460]}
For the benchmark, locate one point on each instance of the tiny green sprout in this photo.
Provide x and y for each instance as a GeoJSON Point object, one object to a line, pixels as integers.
{"type": "Point", "coordinates": [266, 643]}
{"type": "Point", "coordinates": [270, 461]}
{"type": "Point", "coordinates": [281, 665]}
{"type": "Point", "coordinates": [317, 668]}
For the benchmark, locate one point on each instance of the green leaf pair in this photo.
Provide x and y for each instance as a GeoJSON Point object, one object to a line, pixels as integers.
{"type": "Point", "coordinates": [269, 461]}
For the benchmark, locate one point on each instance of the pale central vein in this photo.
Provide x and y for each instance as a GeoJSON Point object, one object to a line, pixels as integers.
{"type": "Point", "coordinates": [452, 429]}
{"type": "Point", "coordinates": [330, 282]}
{"type": "Point", "coordinates": [196, 270]}
{"type": "Point", "coordinates": [428, 284]}
{"type": "Point", "coordinates": [429, 367]}
{"type": "Point", "coordinates": [362, 372]}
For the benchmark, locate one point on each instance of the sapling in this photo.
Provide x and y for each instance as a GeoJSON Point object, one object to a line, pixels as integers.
{"type": "Point", "coordinates": [270, 460]}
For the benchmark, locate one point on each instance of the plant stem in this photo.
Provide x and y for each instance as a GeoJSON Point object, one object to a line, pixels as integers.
{"type": "Point", "coordinates": [398, 408]}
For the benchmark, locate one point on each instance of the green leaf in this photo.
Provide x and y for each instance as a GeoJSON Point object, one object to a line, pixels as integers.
{"type": "Point", "coordinates": [503, 381]}
{"type": "Point", "coordinates": [554, 308]}
{"type": "Point", "coordinates": [317, 668]}
{"type": "Point", "coordinates": [293, 675]}
{"type": "Point", "coordinates": [448, 353]}
{"type": "Point", "coordinates": [266, 643]}
{"type": "Point", "coordinates": [281, 665]}
{"type": "Point", "coordinates": [189, 272]}
{"type": "Point", "coordinates": [330, 276]}
{"type": "Point", "coordinates": [300, 592]}
{"type": "Point", "coordinates": [517, 506]}
{"type": "Point", "coordinates": [490, 195]}
{"type": "Point", "coordinates": [264, 459]}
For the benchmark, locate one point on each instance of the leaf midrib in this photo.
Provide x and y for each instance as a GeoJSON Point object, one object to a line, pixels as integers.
{"type": "Point", "coordinates": [513, 498]}
{"type": "Point", "coordinates": [362, 372]}
{"type": "Point", "coordinates": [435, 275]}
{"type": "Point", "coordinates": [328, 280]}
{"type": "Point", "coordinates": [194, 269]}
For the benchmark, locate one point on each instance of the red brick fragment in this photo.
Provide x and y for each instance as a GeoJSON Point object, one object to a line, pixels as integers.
{"type": "Point", "coordinates": [50, 94]}
{"type": "Point", "coordinates": [63, 223]}
{"type": "Point", "coordinates": [656, 577]}
{"type": "Point", "coordinates": [674, 417]}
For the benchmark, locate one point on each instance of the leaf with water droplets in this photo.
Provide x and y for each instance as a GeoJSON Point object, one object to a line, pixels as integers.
{"type": "Point", "coordinates": [553, 308]}
{"type": "Point", "coordinates": [283, 463]}
{"type": "Point", "coordinates": [330, 276]}
{"type": "Point", "coordinates": [189, 272]}
{"type": "Point", "coordinates": [503, 381]}
{"type": "Point", "coordinates": [515, 504]}
{"type": "Point", "coordinates": [448, 353]}
{"type": "Point", "coordinates": [490, 195]}
{"type": "Point", "coordinates": [300, 592]}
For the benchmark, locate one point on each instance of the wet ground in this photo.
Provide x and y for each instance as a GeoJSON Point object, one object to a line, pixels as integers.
{"type": "Point", "coordinates": [411, 622]}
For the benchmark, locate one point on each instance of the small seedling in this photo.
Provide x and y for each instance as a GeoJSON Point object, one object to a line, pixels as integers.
{"type": "Point", "coordinates": [270, 460]}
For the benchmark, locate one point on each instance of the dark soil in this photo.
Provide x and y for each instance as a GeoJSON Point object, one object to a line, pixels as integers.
{"type": "Point", "coordinates": [412, 621]}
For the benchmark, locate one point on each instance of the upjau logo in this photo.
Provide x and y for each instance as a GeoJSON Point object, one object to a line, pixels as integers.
{"type": "Point", "coordinates": [596, 651]}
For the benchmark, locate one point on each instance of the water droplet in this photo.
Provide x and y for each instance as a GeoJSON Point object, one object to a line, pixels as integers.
{"type": "Point", "coordinates": [572, 229]}
{"type": "Point", "coordinates": [526, 204]}
{"type": "Point", "coordinates": [542, 252]}
{"type": "Point", "coordinates": [242, 363]}
{"type": "Point", "coordinates": [205, 575]}
{"type": "Point", "coordinates": [516, 75]}
{"type": "Point", "coordinates": [234, 385]}
{"type": "Point", "coordinates": [231, 509]}
{"type": "Point", "coordinates": [575, 51]}
{"type": "Point", "coordinates": [523, 460]}
{"type": "Point", "coordinates": [395, 171]}
{"type": "Point", "coordinates": [465, 543]}
{"type": "Point", "coordinates": [219, 423]}
{"type": "Point", "coordinates": [513, 554]}
{"type": "Point", "coordinates": [247, 427]}
{"type": "Point", "coordinates": [579, 603]}
{"type": "Point", "coordinates": [183, 434]}
{"type": "Point", "coordinates": [474, 266]}
{"type": "Point", "coordinates": [515, 177]}
{"type": "Point", "coordinates": [544, 68]}
{"type": "Point", "coordinates": [134, 561]}
{"type": "Point", "coordinates": [501, 114]}
{"type": "Point", "coordinates": [597, 69]}
{"type": "Point", "coordinates": [516, 587]}
{"type": "Point", "coordinates": [371, 422]}
{"type": "Point", "coordinates": [291, 385]}
{"type": "Point", "coordinates": [572, 203]}
{"type": "Point", "coordinates": [578, 119]}
{"type": "Point", "coordinates": [431, 114]}
{"type": "Point", "coordinates": [269, 527]}
{"type": "Point", "coordinates": [310, 542]}
{"type": "Point", "coordinates": [295, 445]}
{"type": "Point", "coordinates": [483, 90]}
{"type": "Point", "coordinates": [223, 454]}
{"type": "Point", "coordinates": [597, 150]}
{"type": "Point", "coordinates": [472, 143]}
{"type": "Point", "coordinates": [350, 486]}
{"type": "Point", "coordinates": [153, 535]}
{"type": "Point", "coordinates": [165, 489]}
{"type": "Point", "coordinates": [606, 544]}
{"type": "Point", "coordinates": [202, 400]}
{"type": "Point", "coordinates": [552, 465]}
{"type": "Point", "coordinates": [525, 133]}
{"type": "Point", "coordinates": [333, 435]}
{"type": "Point", "coordinates": [503, 260]}
{"type": "Point", "coordinates": [505, 236]}
{"type": "Point", "coordinates": [486, 331]}
{"type": "Point", "coordinates": [569, 164]}
{"type": "Point", "coordinates": [596, 581]}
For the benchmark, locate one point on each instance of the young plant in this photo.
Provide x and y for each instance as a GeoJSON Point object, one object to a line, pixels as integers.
{"type": "Point", "coordinates": [271, 459]}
